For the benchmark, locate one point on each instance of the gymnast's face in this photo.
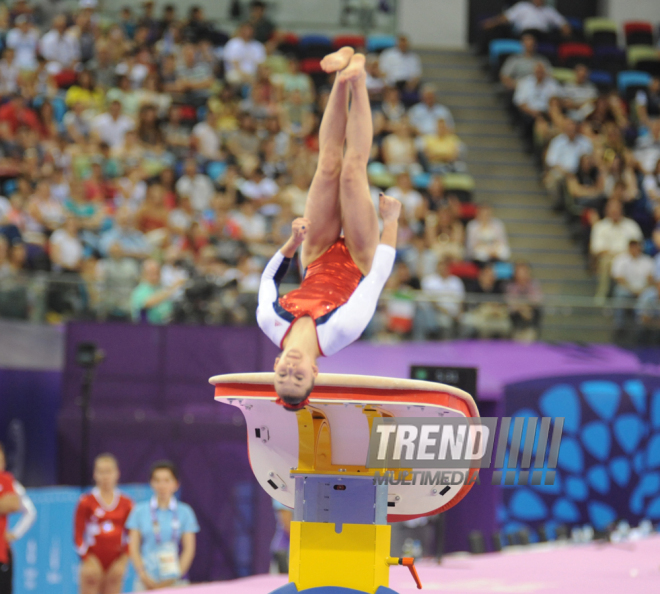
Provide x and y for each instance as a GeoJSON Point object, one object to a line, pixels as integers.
{"type": "Point", "coordinates": [294, 373]}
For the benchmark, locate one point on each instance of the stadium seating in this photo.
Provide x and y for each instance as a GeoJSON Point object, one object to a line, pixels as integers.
{"type": "Point", "coordinates": [638, 33]}
{"type": "Point", "coordinates": [630, 81]}
{"type": "Point", "coordinates": [500, 49]}
{"type": "Point", "coordinates": [602, 79]}
{"type": "Point", "coordinates": [378, 43]}
{"type": "Point", "coordinates": [570, 54]}
{"type": "Point", "coordinates": [563, 75]}
{"type": "Point", "coordinates": [460, 184]}
{"type": "Point", "coordinates": [601, 31]}
{"type": "Point", "coordinates": [315, 46]}
{"type": "Point", "coordinates": [644, 58]}
{"type": "Point", "coordinates": [610, 58]}
{"type": "Point", "coordinates": [354, 41]}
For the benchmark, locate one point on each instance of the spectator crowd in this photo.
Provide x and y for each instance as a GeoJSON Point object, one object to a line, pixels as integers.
{"type": "Point", "coordinates": [151, 164]}
{"type": "Point", "coordinates": [590, 113]}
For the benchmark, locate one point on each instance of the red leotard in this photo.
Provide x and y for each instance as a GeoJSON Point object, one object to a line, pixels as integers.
{"type": "Point", "coordinates": [328, 283]}
{"type": "Point", "coordinates": [6, 488]}
{"type": "Point", "coordinates": [99, 528]}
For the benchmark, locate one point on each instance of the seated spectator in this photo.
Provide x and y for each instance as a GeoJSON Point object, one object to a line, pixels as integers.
{"type": "Point", "coordinates": [250, 222]}
{"type": "Point", "coordinates": [445, 234]}
{"type": "Point", "coordinates": [609, 109]}
{"type": "Point", "coordinates": [579, 97]}
{"type": "Point", "coordinates": [9, 73]}
{"type": "Point", "coordinates": [118, 276]}
{"type": "Point", "coordinates": [262, 190]}
{"type": "Point", "coordinates": [66, 249]}
{"type": "Point", "coordinates": [486, 319]}
{"type": "Point", "coordinates": [534, 15]}
{"type": "Point", "coordinates": [586, 186]}
{"type": "Point", "coordinates": [532, 98]}
{"type": "Point", "coordinates": [244, 142]}
{"type": "Point", "coordinates": [197, 28]}
{"type": "Point", "coordinates": [441, 149]}
{"type": "Point", "coordinates": [399, 151]}
{"type": "Point", "coordinates": [632, 272]}
{"type": "Point", "coordinates": [402, 68]}
{"type": "Point", "coordinates": [563, 159]}
{"type": "Point", "coordinates": [297, 118]}
{"type": "Point", "coordinates": [60, 47]}
{"type": "Point", "coordinates": [111, 127]}
{"type": "Point", "coordinates": [647, 313]}
{"type": "Point", "coordinates": [411, 199]}
{"type": "Point", "coordinates": [194, 78]}
{"type": "Point", "coordinates": [127, 96]}
{"type": "Point", "coordinates": [375, 82]}
{"type": "Point", "coordinates": [86, 93]}
{"type": "Point", "coordinates": [5, 268]}
{"type": "Point", "coordinates": [207, 138]}
{"type": "Point", "coordinates": [619, 171]}
{"type": "Point", "coordinates": [153, 215]}
{"type": "Point", "coordinates": [647, 149]}
{"type": "Point", "coordinates": [150, 302]}
{"type": "Point", "coordinates": [265, 31]}
{"type": "Point", "coordinates": [103, 66]}
{"type": "Point", "coordinates": [651, 184]}
{"type": "Point", "coordinates": [647, 102]}
{"type": "Point", "coordinates": [518, 66]}
{"type": "Point", "coordinates": [294, 80]}
{"type": "Point", "coordinates": [610, 237]}
{"type": "Point", "coordinates": [295, 194]}
{"type": "Point", "coordinates": [400, 307]}
{"type": "Point", "coordinates": [447, 293]}
{"type": "Point", "coordinates": [24, 40]}
{"type": "Point", "coordinates": [124, 234]}
{"type": "Point", "coordinates": [16, 114]}
{"type": "Point", "coordinates": [487, 240]}
{"type": "Point", "coordinates": [197, 186]}
{"type": "Point", "coordinates": [425, 115]}
{"type": "Point", "coordinates": [242, 55]}
{"type": "Point", "coordinates": [524, 298]}
{"type": "Point", "coordinates": [392, 112]}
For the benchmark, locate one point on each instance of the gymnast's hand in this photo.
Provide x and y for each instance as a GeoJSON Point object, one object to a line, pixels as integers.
{"type": "Point", "coordinates": [299, 230]}
{"type": "Point", "coordinates": [390, 208]}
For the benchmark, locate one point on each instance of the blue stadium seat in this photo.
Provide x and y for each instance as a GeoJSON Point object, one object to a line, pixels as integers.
{"type": "Point", "coordinates": [421, 180]}
{"type": "Point", "coordinates": [315, 46]}
{"type": "Point", "coordinates": [632, 78]}
{"type": "Point", "coordinates": [503, 270]}
{"type": "Point", "coordinates": [378, 43]}
{"type": "Point", "coordinates": [503, 47]}
{"type": "Point", "coordinates": [602, 79]}
{"type": "Point", "coordinates": [9, 187]}
{"type": "Point", "coordinates": [216, 169]}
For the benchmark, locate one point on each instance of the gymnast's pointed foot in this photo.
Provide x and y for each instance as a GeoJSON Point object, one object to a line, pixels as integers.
{"type": "Point", "coordinates": [337, 60]}
{"type": "Point", "coordinates": [355, 69]}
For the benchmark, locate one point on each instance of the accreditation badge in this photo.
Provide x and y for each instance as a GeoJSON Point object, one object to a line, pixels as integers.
{"type": "Point", "coordinates": [168, 561]}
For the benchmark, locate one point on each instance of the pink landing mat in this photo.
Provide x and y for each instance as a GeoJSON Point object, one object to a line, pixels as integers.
{"type": "Point", "coordinates": [627, 568]}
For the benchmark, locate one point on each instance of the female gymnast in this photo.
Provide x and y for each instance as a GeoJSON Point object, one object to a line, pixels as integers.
{"type": "Point", "coordinates": [100, 531]}
{"type": "Point", "coordinates": [344, 273]}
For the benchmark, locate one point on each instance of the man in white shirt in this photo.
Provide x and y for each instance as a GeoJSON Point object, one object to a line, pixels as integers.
{"type": "Point", "coordinates": [61, 49]}
{"type": "Point", "coordinates": [111, 127]}
{"type": "Point", "coordinates": [579, 97]}
{"type": "Point", "coordinates": [263, 191]}
{"type": "Point", "coordinates": [400, 66]}
{"type": "Point", "coordinates": [610, 237]}
{"type": "Point", "coordinates": [448, 293]}
{"type": "Point", "coordinates": [410, 199]}
{"type": "Point", "coordinates": [534, 15]}
{"type": "Point", "coordinates": [532, 98]}
{"type": "Point", "coordinates": [563, 159]}
{"type": "Point", "coordinates": [518, 66]}
{"type": "Point", "coordinates": [197, 186]}
{"type": "Point", "coordinates": [632, 272]}
{"type": "Point", "coordinates": [23, 39]}
{"type": "Point", "coordinates": [242, 55]}
{"type": "Point", "coordinates": [425, 115]}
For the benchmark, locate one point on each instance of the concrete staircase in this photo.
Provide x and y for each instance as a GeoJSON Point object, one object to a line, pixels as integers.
{"type": "Point", "coordinates": [507, 178]}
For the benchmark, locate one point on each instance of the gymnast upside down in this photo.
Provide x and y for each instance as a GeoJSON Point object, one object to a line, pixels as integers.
{"type": "Point", "coordinates": [344, 273]}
